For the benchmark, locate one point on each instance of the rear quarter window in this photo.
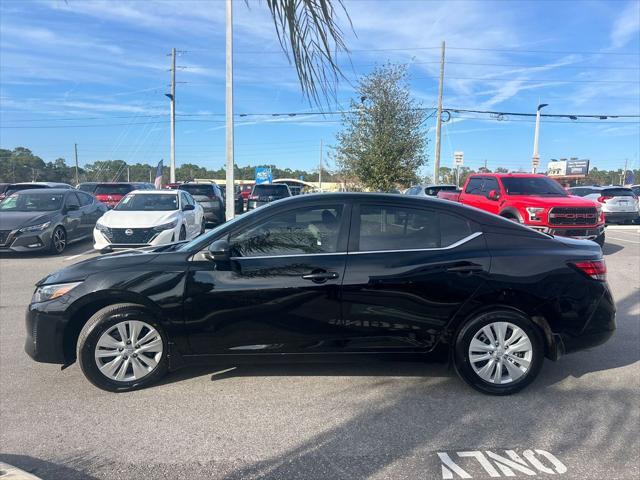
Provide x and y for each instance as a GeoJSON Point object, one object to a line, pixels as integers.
{"type": "Point", "coordinates": [617, 192]}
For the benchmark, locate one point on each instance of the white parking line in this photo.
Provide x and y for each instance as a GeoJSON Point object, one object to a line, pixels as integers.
{"type": "Point", "coordinates": [73, 257]}
{"type": "Point", "coordinates": [609, 237]}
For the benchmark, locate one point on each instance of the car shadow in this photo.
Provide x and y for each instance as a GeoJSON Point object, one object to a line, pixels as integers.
{"type": "Point", "coordinates": [611, 248]}
{"type": "Point", "coordinates": [72, 469]}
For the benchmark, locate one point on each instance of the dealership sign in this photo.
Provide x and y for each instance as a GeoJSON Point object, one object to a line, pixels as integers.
{"type": "Point", "coordinates": [263, 175]}
{"type": "Point", "coordinates": [568, 168]}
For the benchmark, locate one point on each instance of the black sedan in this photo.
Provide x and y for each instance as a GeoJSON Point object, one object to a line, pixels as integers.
{"type": "Point", "coordinates": [332, 275]}
{"type": "Point", "coordinates": [47, 219]}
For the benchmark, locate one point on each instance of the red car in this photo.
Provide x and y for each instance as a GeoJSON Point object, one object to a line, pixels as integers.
{"type": "Point", "coordinates": [533, 200]}
{"type": "Point", "coordinates": [111, 193]}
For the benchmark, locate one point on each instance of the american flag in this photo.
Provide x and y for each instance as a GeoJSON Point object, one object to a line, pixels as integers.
{"type": "Point", "coordinates": [158, 181]}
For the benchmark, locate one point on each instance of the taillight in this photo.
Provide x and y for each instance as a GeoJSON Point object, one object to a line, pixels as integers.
{"type": "Point", "coordinates": [604, 198]}
{"type": "Point", "coordinates": [595, 269]}
{"type": "Point", "coordinates": [253, 197]}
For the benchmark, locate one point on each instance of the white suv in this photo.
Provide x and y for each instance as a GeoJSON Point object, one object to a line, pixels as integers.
{"type": "Point", "coordinates": [619, 204]}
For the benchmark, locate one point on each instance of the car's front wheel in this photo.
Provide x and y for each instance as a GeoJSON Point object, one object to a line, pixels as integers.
{"type": "Point", "coordinates": [122, 348]}
{"type": "Point", "coordinates": [58, 241]}
{"type": "Point", "coordinates": [499, 352]}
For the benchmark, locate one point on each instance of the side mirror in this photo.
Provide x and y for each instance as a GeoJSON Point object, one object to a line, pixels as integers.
{"type": "Point", "coordinates": [218, 250]}
{"type": "Point", "coordinates": [72, 208]}
{"type": "Point", "coordinates": [187, 207]}
{"type": "Point", "coordinates": [494, 195]}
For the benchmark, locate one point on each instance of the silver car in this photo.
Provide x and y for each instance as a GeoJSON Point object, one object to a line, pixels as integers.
{"type": "Point", "coordinates": [429, 190]}
{"type": "Point", "coordinates": [619, 204]}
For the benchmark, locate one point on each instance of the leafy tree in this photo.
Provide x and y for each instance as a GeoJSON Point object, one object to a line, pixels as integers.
{"type": "Point", "coordinates": [383, 140]}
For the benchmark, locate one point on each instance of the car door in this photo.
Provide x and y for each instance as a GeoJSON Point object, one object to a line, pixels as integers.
{"type": "Point", "coordinates": [90, 213]}
{"type": "Point", "coordinates": [73, 216]}
{"type": "Point", "coordinates": [189, 215]}
{"type": "Point", "coordinates": [490, 184]}
{"type": "Point", "coordinates": [409, 271]}
{"type": "Point", "coordinates": [473, 192]}
{"type": "Point", "coordinates": [280, 290]}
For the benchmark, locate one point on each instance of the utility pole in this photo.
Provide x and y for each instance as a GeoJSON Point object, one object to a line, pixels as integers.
{"type": "Point", "coordinates": [150, 179]}
{"type": "Point", "coordinates": [320, 169]}
{"type": "Point", "coordinates": [128, 178]}
{"type": "Point", "coordinates": [172, 97]}
{"type": "Point", "coordinates": [436, 163]}
{"type": "Point", "coordinates": [535, 159]}
{"type": "Point", "coordinates": [76, 149]}
{"type": "Point", "coordinates": [230, 210]}
{"type": "Point", "coordinates": [624, 173]}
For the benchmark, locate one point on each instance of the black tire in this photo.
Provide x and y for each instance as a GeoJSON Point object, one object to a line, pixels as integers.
{"type": "Point", "coordinates": [58, 241]}
{"type": "Point", "coordinates": [463, 339]}
{"type": "Point", "coordinates": [600, 240]}
{"type": "Point", "coordinates": [183, 234]}
{"type": "Point", "coordinates": [203, 227]}
{"type": "Point", "coordinates": [513, 218]}
{"type": "Point", "coordinates": [98, 324]}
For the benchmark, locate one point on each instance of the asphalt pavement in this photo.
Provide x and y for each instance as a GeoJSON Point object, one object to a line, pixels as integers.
{"type": "Point", "coordinates": [579, 420]}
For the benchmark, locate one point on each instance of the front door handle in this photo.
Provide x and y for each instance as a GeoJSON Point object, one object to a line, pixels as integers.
{"type": "Point", "coordinates": [465, 269]}
{"type": "Point", "coordinates": [320, 276]}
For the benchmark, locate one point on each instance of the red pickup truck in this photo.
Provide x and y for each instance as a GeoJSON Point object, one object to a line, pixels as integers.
{"type": "Point", "coordinates": [533, 200]}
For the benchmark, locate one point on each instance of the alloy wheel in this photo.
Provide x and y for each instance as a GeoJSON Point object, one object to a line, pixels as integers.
{"type": "Point", "coordinates": [59, 240]}
{"type": "Point", "coordinates": [128, 351]}
{"type": "Point", "coordinates": [500, 353]}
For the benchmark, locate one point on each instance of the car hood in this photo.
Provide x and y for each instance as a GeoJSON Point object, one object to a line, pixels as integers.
{"type": "Point", "coordinates": [13, 220]}
{"type": "Point", "coordinates": [145, 219]}
{"type": "Point", "coordinates": [547, 201]}
{"type": "Point", "coordinates": [109, 262]}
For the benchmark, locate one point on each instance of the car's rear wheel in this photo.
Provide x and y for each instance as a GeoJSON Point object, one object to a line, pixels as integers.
{"type": "Point", "coordinates": [58, 241]}
{"type": "Point", "coordinates": [499, 352]}
{"type": "Point", "coordinates": [122, 348]}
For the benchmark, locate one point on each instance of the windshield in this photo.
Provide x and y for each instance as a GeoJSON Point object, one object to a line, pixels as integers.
{"type": "Point", "coordinates": [112, 189]}
{"type": "Point", "coordinates": [148, 202]}
{"type": "Point", "coordinates": [617, 192]}
{"type": "Point", "coordinates": [206, 190]}
{"type": "Point", "coordinates": [86, 187]}
{"type": "Point", "coordinates": [533, 186]}
{"type": "Point", "coordinates": [271, 190]}
{"type": "Point", "coordinates": [17, 188]}
{"type": "Point", "coordinates": [32, 202]}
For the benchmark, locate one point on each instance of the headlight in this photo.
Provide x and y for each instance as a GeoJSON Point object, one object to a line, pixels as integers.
{"type": "Point", "coordinates": [35, 228]}
{"type": "Point", "coordinates": [166, 226]}
{"type": "Point", "coordinates": [101, 228]}
{"type": "Point", "coordinates": [534, 213]}
{"type": "Point", "coordinates": [49, 292]}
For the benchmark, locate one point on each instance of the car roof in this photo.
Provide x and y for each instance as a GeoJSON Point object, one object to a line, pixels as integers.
{"type": "Point", "coordinates": [508, 175]}
{"type": "Point", "coordinates": [44, 184]}
{"type": "Point", "coordinates": [46, 190]}
{"type": "Point", "coordinates": [164, 191]}
{"type": "Point", "coordinates": [431, 185]}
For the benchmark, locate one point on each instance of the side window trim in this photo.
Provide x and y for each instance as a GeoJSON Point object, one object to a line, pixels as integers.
{"type": "Point", "coordinates": [462, 241]}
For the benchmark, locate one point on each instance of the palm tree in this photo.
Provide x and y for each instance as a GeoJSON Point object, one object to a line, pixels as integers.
{"type": "Point", "coordinates": [310, 36]}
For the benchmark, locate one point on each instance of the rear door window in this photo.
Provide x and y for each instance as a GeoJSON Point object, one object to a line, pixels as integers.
{"type": "Point", "coordinates": [107, 189]}
{"type": "Point", "coordinates": [617, 192]}
{"type": "Point", "coordinates": [489, 184]}
{"type": "Point", "coordinates": [385, 228]}
{"type": "Point", "coordinates": [85, 199]}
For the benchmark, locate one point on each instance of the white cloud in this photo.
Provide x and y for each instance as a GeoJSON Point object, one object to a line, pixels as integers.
{"type": "Point", "coordinates": [627, 26]}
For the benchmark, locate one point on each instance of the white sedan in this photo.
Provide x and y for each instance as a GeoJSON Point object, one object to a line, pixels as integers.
{"type": "Point", "coordinates": [149, 217]}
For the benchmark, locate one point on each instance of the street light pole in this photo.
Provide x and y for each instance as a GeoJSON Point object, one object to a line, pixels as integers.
{"type": "Point", "coordinates": [535, 159]}
{"type": "Point", "coordinates": [230, 210]}
{"type": "Point", "coordinates": [436, 163]}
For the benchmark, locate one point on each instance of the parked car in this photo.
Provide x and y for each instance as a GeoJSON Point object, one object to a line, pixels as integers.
{"type": "Point", "coordinates": [47, 219]}
{"type": "Point", "coordinates": [210, 198]}
{"type": "Point", "coordinates": [619, 204]}
{"type": "Point", "coordinates": [238, 201]}
{"type": "Point", "coordinates": [111, 193]}
{"type": "Point", "coordinates": [267, 192]}
{"type": "Point", "coordinates": [245, 190]}
{"type": "Point", "coordinates": [149, 217]}
{"type": "Point", "coordinates": [533, 200]}
{"type": "Point", "coordinates": [359, 275]}
{"type": "Point", "coordinates": [16, 187]}
{"type": "Point", "coordinates": [88, 187]}
{"type": "Point", "coordinates": [429, 190]}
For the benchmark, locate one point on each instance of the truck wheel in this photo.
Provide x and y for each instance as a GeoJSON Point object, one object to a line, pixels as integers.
{"type": "Point", "coordinates": [513, 218]}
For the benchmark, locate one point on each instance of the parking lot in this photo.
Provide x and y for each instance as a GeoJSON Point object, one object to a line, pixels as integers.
{"type": "Point", "coordinates": [579, 420]}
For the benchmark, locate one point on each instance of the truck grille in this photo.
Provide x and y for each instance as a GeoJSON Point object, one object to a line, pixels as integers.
{"type": "Point", "coordinates": [4, 236]}
{"type": "Point", "coordinates": [136, 235]}
{"type": "Point", "coordinates": [573, 216]}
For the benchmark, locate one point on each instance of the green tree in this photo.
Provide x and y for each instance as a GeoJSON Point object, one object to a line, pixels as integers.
{"type": "Point", "coordinates": [383, 140]}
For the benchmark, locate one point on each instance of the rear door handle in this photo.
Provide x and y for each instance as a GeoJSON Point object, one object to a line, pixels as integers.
{"type": "Point", "coordinates": [465, 269]}
{"type": "Point", "coordinates": [320, 276]}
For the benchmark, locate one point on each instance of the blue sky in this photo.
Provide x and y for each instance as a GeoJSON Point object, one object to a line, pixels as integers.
{"type": "Point", "coordinates": [98, 72]}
